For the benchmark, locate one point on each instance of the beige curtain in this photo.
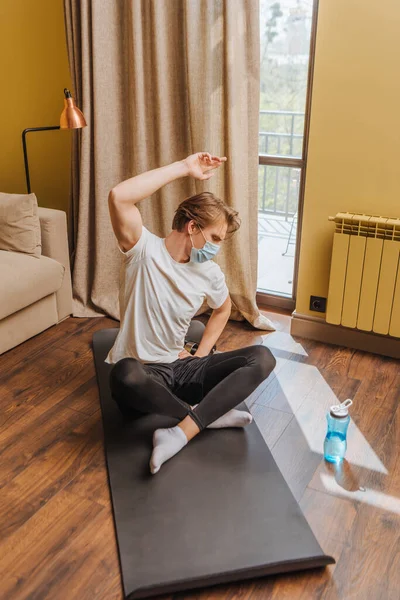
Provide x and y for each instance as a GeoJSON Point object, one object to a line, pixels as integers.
{"type": "Point", "coordinates": [158, 80]}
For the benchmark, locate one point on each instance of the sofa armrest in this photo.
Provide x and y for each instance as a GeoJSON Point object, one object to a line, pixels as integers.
{"type": "Point", "coordinates": [54, 234]}
{"type": "Point", "coordinates": [53, 228]}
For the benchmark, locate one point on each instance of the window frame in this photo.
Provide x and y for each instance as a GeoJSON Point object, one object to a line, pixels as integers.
{"type": "Point", "coordinates": [266, 299]}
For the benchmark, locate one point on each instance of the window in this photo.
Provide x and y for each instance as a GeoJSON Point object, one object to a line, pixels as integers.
{"type": "Point", "coordinates": [287, 32]}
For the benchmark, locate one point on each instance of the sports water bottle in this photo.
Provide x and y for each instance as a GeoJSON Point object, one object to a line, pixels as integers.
{"type": "Point", "coordinates": [335, 443]}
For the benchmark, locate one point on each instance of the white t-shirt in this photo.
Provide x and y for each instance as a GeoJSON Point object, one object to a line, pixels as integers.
{"type": "Point", "coordinates": [158, 298]}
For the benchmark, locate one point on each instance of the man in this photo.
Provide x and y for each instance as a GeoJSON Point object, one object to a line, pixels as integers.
{"type": "Point", "coordinates": [163, 283]}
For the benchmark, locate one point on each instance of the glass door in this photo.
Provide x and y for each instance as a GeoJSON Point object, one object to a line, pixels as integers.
{"type": "Point", "coordinates": [287, 36]}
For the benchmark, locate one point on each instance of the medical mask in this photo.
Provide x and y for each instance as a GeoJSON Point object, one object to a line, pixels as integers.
{"type": "Point", "coordinates": [208, 251]}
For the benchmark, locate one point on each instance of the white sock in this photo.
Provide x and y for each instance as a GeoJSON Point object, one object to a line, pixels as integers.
{"type": "Point", "coordinates": [166, 443]}
{"type": "Point", "coordinates": [233, 418]}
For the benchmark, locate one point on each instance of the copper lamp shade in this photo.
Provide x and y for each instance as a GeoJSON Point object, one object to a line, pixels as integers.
{"type": "Point", "coordinates": [71, 116]}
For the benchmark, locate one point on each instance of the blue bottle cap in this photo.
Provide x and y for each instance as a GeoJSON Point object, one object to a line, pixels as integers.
{"type": "Point", "coordinates": [341, 410]}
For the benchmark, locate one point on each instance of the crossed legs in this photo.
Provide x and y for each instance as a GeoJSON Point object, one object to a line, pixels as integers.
{"type": "Point", "coordinates": [228, 378]}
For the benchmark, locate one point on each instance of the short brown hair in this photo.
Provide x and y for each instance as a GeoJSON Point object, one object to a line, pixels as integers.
{"type": "Point", "coordinates": [205, 208]}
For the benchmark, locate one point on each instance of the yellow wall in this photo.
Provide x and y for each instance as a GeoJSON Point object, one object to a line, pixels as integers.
{"type": "Point", "coordinates": [34, 72]}
{"type": "Point", "coordinates": [354, 144]}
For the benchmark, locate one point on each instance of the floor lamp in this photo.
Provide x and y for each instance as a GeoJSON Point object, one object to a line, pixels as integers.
{"type": "Point", "coordinates": [71, 118]}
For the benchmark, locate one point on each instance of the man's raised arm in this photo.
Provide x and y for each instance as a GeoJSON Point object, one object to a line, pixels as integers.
{"type": "Point", "coordinates": [200, 165]}
{"type": "Point", "coordinates": [144, 185]}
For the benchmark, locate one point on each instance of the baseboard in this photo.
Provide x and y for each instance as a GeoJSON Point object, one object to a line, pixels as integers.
{"type": "Point", "coordinates": [316, 328]}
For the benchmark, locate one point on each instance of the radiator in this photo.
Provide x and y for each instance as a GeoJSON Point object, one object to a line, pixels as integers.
{"type": "Point", "coordinates": [364, 282]}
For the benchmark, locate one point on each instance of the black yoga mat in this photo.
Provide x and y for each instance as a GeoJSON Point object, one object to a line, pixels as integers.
{"type": "Point", "coordinates": [218, 511]}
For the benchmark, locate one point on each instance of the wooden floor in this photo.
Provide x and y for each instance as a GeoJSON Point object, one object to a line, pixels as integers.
{"type": "Point", "coordinates": [57, 538]}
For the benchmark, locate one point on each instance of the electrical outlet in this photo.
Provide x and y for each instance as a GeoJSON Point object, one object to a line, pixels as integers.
{"type": "Point", "coordinates": [318, 303]}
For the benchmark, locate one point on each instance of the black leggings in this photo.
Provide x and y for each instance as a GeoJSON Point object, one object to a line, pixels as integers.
{"type": "Point", "coordinates": [217, 382]}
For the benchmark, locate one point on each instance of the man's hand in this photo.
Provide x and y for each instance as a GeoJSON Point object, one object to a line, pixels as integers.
{"type": "Point", "coordinates": [184, 353]}
{"type": "Point", "coordinates": [200, 164]}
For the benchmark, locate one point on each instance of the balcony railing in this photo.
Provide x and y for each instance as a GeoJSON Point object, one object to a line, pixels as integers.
{"type": "Point", "coordinates": [278, 186]}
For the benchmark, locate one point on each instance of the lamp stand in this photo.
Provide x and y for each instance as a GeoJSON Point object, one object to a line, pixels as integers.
{"type": "Point", "coordinates": [28, 182]}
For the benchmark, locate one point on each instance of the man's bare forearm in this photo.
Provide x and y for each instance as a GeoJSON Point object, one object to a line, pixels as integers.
{"type": "Point", "coordinates": [215, 326]}
{"type": "Point", "coordinates": [137, 188]}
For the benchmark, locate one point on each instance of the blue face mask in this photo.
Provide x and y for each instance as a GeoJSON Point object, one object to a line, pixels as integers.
{"type": "Point", "coordinates": [208, 251]}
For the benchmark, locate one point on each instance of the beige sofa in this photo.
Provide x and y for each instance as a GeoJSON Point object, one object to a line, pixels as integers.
{"type": "Point", "coordinates": [36, 293]}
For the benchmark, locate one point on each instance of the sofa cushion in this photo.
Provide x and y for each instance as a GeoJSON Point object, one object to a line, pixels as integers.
{"type": "Point", "coordinates": [19, 224]}
{"type": "Point", "coordinates": [26, 279]}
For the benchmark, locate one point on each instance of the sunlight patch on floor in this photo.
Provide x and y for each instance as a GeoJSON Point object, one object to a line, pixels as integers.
{"type": "Point", "coordinates": [365, 495]}
{"type": "Point", "coordinates": [280, 340]}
